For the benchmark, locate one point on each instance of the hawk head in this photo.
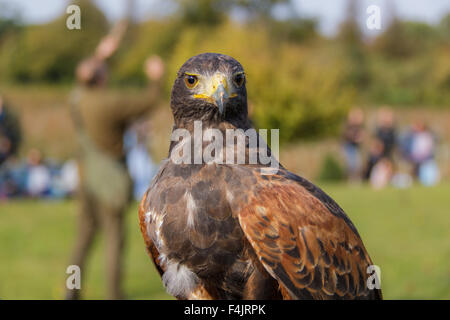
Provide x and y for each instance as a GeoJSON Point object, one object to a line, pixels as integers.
{"type": "Point", "coordinates": [209, 87]}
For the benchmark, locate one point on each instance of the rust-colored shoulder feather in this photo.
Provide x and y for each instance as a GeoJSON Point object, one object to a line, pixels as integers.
{"type": "Point", "coordinates": [149, 245]}
{"type": "Point", "coordinates": [313, 252]}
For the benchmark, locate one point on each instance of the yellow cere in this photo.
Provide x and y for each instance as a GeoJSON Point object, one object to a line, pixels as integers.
{"type": "Point", "coordinates": [209, 85]}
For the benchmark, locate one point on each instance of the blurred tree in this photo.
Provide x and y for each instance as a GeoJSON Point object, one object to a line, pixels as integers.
{"type": "Point", "coordinates": [280, 18]}
{"type": "Point", "coordinates": [444, 29]}
{"type": "Point", "coordinates": [32, 58]}
{"type": "Point", "coordinates": [212, 12]}
{"type": "Point", "coordinates": [351, 38]}
{"type": "Point", "coordinates": [203, 12]}
{"type": "Point", "coordinates": [409, 65]}
{"type": "Point", "coordinates": [9, 20]}
{"type": "Point", "coordinates": [404, 39]}
{"type": "Point", "coordinates": [160, 36]}
{"type": "Point", "coordinates": [294, 29]}
{"type": "Point", "coordinates": [259, 9]}
{"type": "Point", "coordinates": [349, 30]}
{"type": "Point", "coordinates": [288, 25]}
{"type": "Point", "coordinates": [10, 27]}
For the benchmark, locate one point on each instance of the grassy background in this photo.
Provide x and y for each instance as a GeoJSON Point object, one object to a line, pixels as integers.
{"type": "Point", "coordinates": [405, 231]}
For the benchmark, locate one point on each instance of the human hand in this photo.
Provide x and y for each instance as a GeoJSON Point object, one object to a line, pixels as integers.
{"type": "Point", "coordinates": [108, 45]}
{"type": "Point", "coordinates": [154, 68]}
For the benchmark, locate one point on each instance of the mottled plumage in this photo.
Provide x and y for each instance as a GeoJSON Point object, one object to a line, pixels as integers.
{"type": "Point", "coordinates": [226, 231]}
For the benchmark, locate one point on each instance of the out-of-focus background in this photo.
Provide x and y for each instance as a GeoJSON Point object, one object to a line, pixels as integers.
{"type": "Point", "coordinates": [364, 113]}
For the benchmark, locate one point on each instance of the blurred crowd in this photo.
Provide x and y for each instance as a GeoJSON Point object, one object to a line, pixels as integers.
{"type": "Point", "coordinates": [33, 176]}
{"type": "Point", "coordinates": [37, 177]}
{"type": "Point", "coordinates": [388, 154]}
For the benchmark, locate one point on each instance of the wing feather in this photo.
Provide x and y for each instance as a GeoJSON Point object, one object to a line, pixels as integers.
{"type": "Point", "coordinates": [149, 245]}
{"type": "Point", "coordinates": [313, 252]}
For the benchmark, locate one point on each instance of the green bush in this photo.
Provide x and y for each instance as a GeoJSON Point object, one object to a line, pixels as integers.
{"type": "Point", "coordinates": [331, 169]}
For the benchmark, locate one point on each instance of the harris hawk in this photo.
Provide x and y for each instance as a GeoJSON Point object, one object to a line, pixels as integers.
{"type": "Point", "coordinates": [223, 230]}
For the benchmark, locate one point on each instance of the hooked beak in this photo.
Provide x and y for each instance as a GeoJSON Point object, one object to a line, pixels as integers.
{"type": "Point", "coordinates": [216, 91]}
{"type": "Point", "coordinates": [219, 96]}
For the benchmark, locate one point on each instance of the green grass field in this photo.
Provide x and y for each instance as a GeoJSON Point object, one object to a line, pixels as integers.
{"type": "Point", "coordinates": [407, 233]}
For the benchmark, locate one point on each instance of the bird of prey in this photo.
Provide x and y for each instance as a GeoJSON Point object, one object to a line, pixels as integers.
{"type": "Point", "coordinates": [230, 231]}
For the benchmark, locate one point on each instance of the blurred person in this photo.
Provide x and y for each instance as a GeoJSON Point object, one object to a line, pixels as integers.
{"type": "Point", "coordinates": [105, 189]}
{"type": "Point", "coordinates": [13, 178]}
{"type": "Point", "coordinates": [140, 164]}
{"type": "Point", "coordinates": [376, 153]}
{"type": "Point", "coordinates": [65, 179]}
{"type": "Point", "coordinates": [401, 180]}
{"type": "Point", "coordinates": [419, 148]}
{"type": "Point", "coordinates": [381, 173]}
{"type": "Point", "coordinates": [69, 177]}
{"type": "Point", "coordinates": [10, 135]}
{"type": "Point", "coordinates": [352, 137]}
{"type": "Point", "coordinates": [386, 131]}
{"type": "Point", "coordinates": [429, 174]}
{"type": "Point", "coordinates": [38, 182]}
{"type": "Point", "coordinates": [379, 167]}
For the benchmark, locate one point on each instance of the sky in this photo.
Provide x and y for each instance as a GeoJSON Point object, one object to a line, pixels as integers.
{"type": "Point", "coordinates": [329, 12]}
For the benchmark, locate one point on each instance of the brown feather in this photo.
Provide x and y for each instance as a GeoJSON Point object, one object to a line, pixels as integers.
{"type": "Point", "coordinates": [310, 251]}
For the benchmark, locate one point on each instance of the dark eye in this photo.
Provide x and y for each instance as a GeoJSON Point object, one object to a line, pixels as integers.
{"type": "Point", "coordinates": [190, 80]}
{"type": "Point", "coordinates": [238, 79]}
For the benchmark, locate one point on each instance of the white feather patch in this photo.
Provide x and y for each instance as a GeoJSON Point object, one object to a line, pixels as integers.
{"type": "Point", "coordinates": [179, 280]}
{"type": "Point", "coordinates": [156, 222]}
{"type": "Point", "coordinates": [229, 196]}
{"type": "Point", "coordinates": [148, 216]}
{"type": "Point", "coordinates": [191, 207]}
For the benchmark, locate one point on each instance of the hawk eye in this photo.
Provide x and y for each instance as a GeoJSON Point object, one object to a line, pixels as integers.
{"type": "Point", "coordinates": [190, 80]}
{"type": "Point", "coordinates": [238, 79]}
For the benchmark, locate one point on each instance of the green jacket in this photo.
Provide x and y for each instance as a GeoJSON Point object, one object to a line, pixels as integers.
{"type": "Point", "coordinates": [101, 118]}
{"type": "Point", "coordinates": [105, 115]}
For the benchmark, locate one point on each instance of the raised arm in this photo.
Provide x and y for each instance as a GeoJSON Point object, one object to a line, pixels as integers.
{"type": "Point", "coordinates": [128, 108]}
